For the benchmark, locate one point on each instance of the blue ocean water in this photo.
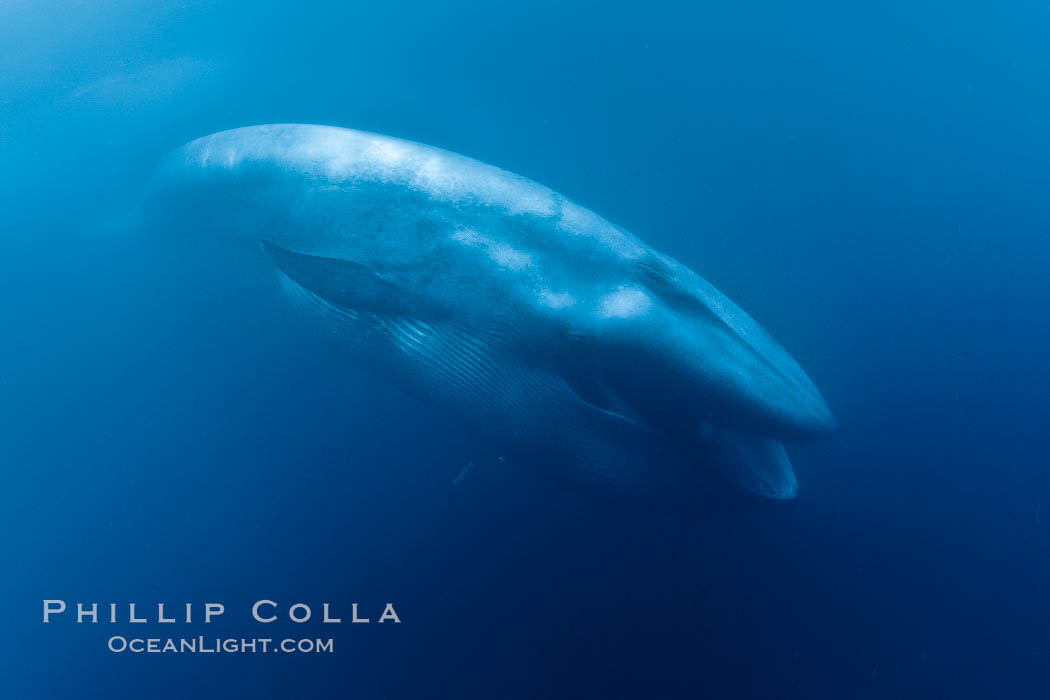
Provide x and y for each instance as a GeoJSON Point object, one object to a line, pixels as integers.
{"type": "Point", "coordinates": [869, 182]}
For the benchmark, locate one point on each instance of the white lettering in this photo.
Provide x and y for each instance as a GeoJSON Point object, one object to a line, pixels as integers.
{"type": "Point", "coordinates": [53, 606]}
{"type": "Point", "coordinates": [82, 613]}
{"type": "Point", "coordinates": [389, 614]}
{"type": "Point", "coordinates": [259, 604]}
{"type": "Point", "coordinates": [292, 616]}
{"type": "Point", "coordinates": [213, 610]}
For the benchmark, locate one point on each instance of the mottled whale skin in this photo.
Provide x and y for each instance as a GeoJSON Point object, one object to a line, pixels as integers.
{"type": "Point", "coordinates": [559, 334]}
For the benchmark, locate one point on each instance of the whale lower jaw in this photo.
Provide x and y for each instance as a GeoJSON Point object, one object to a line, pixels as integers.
{"type": "Point", "coordinates": [754, 464]}
{"type": "Point", "coordinates": [532, 409]}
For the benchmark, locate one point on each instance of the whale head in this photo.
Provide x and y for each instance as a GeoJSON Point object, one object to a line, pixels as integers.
{"type": "Point", "coordinates": [717, 365]}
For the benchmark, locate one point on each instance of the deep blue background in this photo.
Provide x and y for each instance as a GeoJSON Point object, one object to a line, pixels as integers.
{"type": "Point", "coordinates": [869, 181]}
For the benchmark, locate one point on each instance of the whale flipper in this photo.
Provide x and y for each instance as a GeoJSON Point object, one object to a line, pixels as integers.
{"type": "Point", "coordinates": [347, 283]}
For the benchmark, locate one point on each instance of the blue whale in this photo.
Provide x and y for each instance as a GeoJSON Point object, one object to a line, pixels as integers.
{"type": "Point", "coordinates": [561, 336]}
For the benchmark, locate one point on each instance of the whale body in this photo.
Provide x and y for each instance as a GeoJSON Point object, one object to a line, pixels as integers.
{"type": "Point", "coordinates": [560, 335]}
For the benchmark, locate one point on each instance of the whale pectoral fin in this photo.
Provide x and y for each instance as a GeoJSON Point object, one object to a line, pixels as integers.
{"type": "Point", "coordinates": [755, 465]}
{"type": "Point", "coordinates": [346, 283]}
